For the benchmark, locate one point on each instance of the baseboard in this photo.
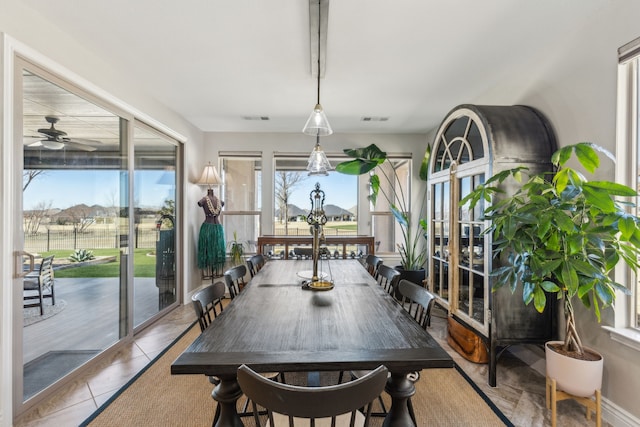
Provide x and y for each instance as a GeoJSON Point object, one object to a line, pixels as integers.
{"type": "Point", "coordinates": [616, 416]}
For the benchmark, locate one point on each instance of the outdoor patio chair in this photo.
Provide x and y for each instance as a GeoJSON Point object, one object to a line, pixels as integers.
{"type": "Point", "coordinates": [287, 404]}
{"type": "Point", "coordinates": [42, 283]}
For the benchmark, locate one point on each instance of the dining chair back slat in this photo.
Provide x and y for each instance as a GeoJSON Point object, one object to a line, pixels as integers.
{"type": "Point", "coordinates": [208, 301]}
{"type": "Point", "coordinates": [371, 263]}
{"type": "Point", "coordinates": [255, 264]}
{"type": "Point", "coordinates": [234, 278]}
{"type": "Point", "coordinates": [287, 404]}
{"type": "Point", "coordinates": [388, 278]}
{"type": "Point", "coordinates": [417, 301]}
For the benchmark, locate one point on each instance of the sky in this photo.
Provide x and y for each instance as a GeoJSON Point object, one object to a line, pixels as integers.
{"type": "Point", "coordinates": [65, 188]}
{"type": "Point", "coordinates": [340, 190]}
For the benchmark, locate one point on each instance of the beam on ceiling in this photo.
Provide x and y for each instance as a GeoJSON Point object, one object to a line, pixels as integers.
{"type": "Point", "coordinates": [313, 34]}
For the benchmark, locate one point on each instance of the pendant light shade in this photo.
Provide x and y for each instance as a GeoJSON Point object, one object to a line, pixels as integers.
{"type": "Point", "coordinates": [318, 163]}
{"type": "Point", "coordinates": [317, 124]}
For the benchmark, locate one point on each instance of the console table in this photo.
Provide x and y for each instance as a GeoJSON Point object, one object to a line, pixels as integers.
{"type": "Point", "coordinates": [293, 241]}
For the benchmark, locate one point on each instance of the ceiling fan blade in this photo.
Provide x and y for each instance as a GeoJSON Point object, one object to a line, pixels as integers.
{"type": "Point", "coordinates": [83, 141]}
{"type": "Point", "coordinates": [81, 147]}
{"type": "Point", "coordinates": [36, 144]}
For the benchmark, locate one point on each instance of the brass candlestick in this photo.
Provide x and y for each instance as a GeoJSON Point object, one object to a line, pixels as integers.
{"type": "Point", "coordinates": [317, 219]}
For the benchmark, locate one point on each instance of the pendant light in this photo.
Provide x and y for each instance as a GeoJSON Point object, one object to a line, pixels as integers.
{"type": "Point", "coordinates": [318, 164]}
{"type": "Point", "coordinates": [317, 125]}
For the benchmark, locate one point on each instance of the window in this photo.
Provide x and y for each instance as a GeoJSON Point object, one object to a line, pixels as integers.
{"type": "Point", "coordinates": [383, 225]}
{"type": "Point", "coordinates": [241, 193]}
{"type": "Point", "coordinates": [628, 168]}
{"type": "Point", "coordinates": [293, 186]}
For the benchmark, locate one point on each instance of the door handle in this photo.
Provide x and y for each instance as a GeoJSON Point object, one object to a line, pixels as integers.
{"type": "Point", "coordinates": [19, 267]}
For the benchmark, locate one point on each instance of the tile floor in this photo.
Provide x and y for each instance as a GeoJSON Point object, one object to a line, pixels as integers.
{"type": "Point", "coordinates": [520, 392]}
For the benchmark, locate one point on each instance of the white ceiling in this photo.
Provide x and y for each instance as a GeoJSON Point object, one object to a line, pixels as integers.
{"type": "Point", "coordinates": [217, 61]}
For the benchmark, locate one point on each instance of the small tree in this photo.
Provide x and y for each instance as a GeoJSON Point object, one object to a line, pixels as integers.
{"type": "Point", "coordinates": [286, 181]}
{"type": "Point", "coordinates": [33, 218]}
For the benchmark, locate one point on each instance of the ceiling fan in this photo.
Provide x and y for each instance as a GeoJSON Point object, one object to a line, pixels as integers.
{"type": "Point", "coordinates": [55, 139]}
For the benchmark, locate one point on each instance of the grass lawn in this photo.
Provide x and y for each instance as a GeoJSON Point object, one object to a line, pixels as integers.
{"type": "Point", "coordinates": [347, 226]}
{"type": "Point", "coordinates": [144, 265]}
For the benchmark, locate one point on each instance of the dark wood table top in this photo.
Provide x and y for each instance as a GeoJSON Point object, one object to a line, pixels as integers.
{"type": "Point", "coordinates": [275, 325]}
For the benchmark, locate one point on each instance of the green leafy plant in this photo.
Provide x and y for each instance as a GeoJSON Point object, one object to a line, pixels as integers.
{"type": "Point", "coordinates": [236, 250]}
{"type": "Point", "coordinates": [81, 255]}
{"type": "Point", "coordinates": [367, 160]}
{"type": "Point", "coordinates": [562, 234]}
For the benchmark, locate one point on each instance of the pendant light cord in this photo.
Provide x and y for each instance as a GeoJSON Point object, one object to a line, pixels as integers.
{"type": "Point", "coordinates": [319, 14]}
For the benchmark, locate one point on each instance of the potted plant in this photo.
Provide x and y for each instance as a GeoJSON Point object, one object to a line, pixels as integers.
{"type": "Point", "coordinates": [560, 235]}
{"type": "Point", "coordinates": [366, 160]}
{"type": "Point", "coordinates": [236, 250]}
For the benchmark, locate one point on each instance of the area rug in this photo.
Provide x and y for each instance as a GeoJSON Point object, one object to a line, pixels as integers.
{"type": "Point", "coordinates": [444, 397]}
{"type": "Point", "coordinates": [32, 315]}
{"type": "Point", "coordinates": [43, 371]}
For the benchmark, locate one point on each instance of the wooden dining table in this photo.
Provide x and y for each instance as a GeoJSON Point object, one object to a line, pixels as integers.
{"type": "Point", "coordinates": [276, 325]}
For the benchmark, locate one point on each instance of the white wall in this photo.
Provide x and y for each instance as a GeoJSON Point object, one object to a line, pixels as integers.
{"type": "Point", "coordinates": [268, 143]}
{"type": "Point", "coordinates": [24, 30]}
{"type": "Point", "coordinates": [574, 84]}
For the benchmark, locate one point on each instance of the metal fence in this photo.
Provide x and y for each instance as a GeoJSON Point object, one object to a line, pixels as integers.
{"type": "Point", "coordinates": [90, 239]}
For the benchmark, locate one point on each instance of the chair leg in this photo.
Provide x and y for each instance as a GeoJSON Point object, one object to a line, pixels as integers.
{"type": "Point", "coordinates": [41, 300]}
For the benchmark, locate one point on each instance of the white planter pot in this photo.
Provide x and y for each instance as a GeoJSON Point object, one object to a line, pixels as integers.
{"type": "Point", "coordinates": [574, 376]}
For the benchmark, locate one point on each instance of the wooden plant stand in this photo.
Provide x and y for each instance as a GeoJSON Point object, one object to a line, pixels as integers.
{"type": "Point", "coordinates": [554, 395]}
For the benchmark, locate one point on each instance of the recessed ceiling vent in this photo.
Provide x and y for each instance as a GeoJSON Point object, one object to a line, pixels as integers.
{"type": "Point", "coordinates": [263, 118]}
{"type": "Point", "coordinates": [374, 119]}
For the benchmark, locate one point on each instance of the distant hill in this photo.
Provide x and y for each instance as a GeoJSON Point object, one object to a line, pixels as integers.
{"type": "Point", "coordinates": [333, 213]}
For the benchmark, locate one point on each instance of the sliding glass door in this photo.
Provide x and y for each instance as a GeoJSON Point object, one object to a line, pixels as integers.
{"type": "Point", "coordinates": [74, 209]}
{"type": "Point", "coordinates": [99, 198]}
{"type": "Point", "coordinates": [154, 196]}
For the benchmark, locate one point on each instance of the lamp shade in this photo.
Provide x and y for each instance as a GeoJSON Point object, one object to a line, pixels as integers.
{"type": "Point", "coordinates": [317, 124]}
{"type": "Point", "coordinates": [318, 163]}
{"type": "Point", "coordinates": [209, 176]}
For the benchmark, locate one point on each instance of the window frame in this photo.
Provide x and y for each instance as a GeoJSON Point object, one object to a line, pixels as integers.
{"type": "Point", "coordinates": [626, 322]}
{"type": "Point", "coordinates": [259, 185]}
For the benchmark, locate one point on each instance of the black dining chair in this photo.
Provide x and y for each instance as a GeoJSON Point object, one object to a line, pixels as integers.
{"type": "Point", "coordinates": [205, 302]}
{"type": "Point", "coordinates": [371, 263]}
{"type": "Point", "coordinates": [255, 264]}
{"type": "Point", "coordinates": [234, 278]}
{"type": "Point", "coordinates": [418, 301]}
{"type": "Point", "coordinates": [290, 405]}
{"type": "Point", "coordinates": [388, 278]}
